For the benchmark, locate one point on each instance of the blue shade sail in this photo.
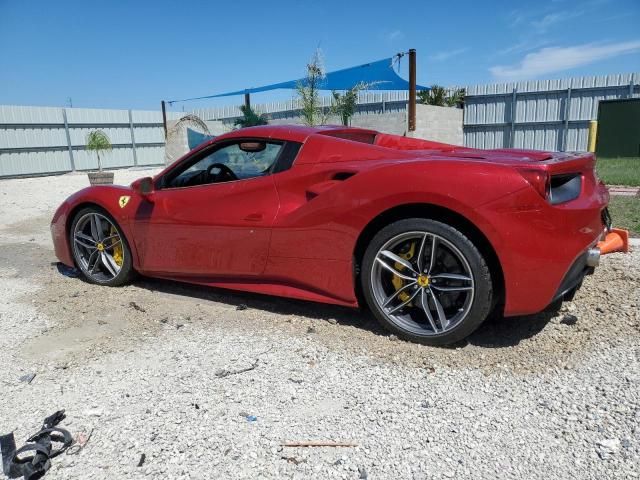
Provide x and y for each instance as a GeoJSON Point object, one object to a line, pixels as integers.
{"type": "Point", "coordinates": [379, 75]}
{"type": "Point", "coordinates": [196, 138]}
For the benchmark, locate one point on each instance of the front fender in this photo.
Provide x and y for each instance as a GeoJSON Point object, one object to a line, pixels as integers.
{"type": "Point", "coordinates": [108, 198]}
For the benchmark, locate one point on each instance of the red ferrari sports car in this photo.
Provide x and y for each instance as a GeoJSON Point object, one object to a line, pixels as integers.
{"type": "Point", "coordinates": [431, 237]}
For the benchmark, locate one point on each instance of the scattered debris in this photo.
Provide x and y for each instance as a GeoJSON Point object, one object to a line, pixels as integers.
{"type": "Point", "coordinates": [93, 412]}
{"type": "Point", "coordinates": [28, 378]}
{"type": "Point", "coordinates": [363, 473]}
{"type": "Point", "coordinates": [81, 440]}
{"type": "Point", "coordinates": [332, 321]}
{"type": "Point", "coordinates": [143, 457]}
{"type": "Point", "coordinates": [196, 406]}
{"type": "Point", "coordinates": [293, 460]}
{"type": "Point", "coordinates": [569, 320]}
{"type": "Point", "coordinates": [607, 447]}
{"type": "Point", "coordinates": [179, 326]}
{"type": "Point", "coordinates": [223, 372]}
{"type": "Point", "coordinates": [248, 416]}
{"type": "Point", "coordinates": [320, 443]}
{"type": "Point", "coordinates": [164, 320]}
{"type": "Point", "coordinates": [296, 380]}
{"type": "Point", "coordinates": [311, 330]}
{"type": "Point", "coordinates": [137, 307]}
{"type": "Point", "coordinates": [33, 459]}
{"type": "Point", "coordinates": [101, 322]}
{"type": "Point", "coordinates": [392, 338]}
{"type": "Point", "coordinates": [67, 271]}
{"type": "Point", "coordinates": [242, 306]}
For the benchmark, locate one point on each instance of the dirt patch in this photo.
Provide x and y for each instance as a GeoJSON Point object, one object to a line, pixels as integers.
{"type": "Point", "coordinates": [28, 226]}
{"type": "Point", "coordinates": [91, 320]}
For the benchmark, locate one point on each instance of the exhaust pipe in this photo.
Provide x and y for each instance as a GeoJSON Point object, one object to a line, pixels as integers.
{"type": "Point", "coordinates": [593, 257]}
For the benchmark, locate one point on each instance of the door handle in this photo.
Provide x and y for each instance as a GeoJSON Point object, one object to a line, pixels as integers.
{"type": "Point", "coordinates": [254, 217]}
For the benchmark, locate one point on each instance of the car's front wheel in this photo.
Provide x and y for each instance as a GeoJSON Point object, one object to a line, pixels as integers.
{"type": "Point", "coordinates": [426, 281]}
{"type": "Point", "coordinates": [100, 250]}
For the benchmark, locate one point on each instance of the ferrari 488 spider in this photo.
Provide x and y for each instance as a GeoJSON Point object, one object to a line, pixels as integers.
{"type": "Point", "coordinates": [431, 237]}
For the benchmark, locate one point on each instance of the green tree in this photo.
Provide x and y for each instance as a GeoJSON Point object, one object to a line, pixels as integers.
{"type": "Point", "coordinates": [250, 118]}
{"type": "Point", "coordinates": [98, 141]}
{"type": "Point", "coordinates": [439, 96]}
{"type": "Point", "coordinates": [456, 98]}
{"type": "Point", "coordinates": [344, 104]}
{"type": "Point", "coordinates": [312, 111]}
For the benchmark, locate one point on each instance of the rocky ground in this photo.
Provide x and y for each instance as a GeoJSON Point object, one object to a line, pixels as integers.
{"type": "Point", "coordinates": [175, 381]}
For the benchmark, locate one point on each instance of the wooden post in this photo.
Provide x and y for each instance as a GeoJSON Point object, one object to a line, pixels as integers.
{"type": "Point", "coordinates": [412, 90]}
{"type": "Point", "coordinates": [247, 100]}
{"type": "Point", "coordinates": [164, 118]}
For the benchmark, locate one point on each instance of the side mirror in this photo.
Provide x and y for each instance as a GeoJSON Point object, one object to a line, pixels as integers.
{"type": "Point", "coordinates": [143, 186]}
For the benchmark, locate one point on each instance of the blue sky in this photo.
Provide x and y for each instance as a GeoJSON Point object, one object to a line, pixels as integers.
{"type": "Point", "coordinates": [125, 54]}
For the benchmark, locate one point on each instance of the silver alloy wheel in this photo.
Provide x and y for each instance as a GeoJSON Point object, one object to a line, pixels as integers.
{"type": "Point", "coordinates": [429, 291]}
{"type": "Point", "coordinates": [97, 247]}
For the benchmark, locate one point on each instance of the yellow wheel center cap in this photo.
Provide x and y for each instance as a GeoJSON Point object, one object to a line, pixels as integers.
{"type": "Point", "coordinates": [100, 247]}
{"type": "Point", "coordinates": [423, 281]}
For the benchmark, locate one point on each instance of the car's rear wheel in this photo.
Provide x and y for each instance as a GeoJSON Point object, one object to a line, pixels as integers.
{"type": "Point", "coordinates": [426, 281]}
{"type": "Point", "coordinates": [100, 250]}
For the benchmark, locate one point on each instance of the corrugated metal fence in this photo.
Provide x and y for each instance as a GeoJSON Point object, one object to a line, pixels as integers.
{"type": "Point", "coordinates": [543, 114]}
{"type": "Point", "coordinates": [43, 140]}
{"type": "Point", "coordinates": [368, 102]}
{"type": "Point", "coordinates": [540, 115]}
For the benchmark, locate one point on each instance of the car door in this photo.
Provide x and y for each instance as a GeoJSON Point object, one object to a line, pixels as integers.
{"type": "Point", "coordinates": [213, 225]}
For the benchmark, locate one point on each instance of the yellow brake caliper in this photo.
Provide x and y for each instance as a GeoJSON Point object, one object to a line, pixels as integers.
{"type": "Point", "coordinates": [397, 282]}
{"type": "Point", "coordinates": [118, 254]}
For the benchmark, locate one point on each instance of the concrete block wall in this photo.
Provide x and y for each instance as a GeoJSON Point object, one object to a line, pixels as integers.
{"type": "Point", "coordinates": [393, 122]}
{"type": "Point", "coordinates": [440, 124]}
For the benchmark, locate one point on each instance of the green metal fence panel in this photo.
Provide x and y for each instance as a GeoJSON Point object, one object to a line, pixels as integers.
{"type": "Point", "coordinates": [619, 128]}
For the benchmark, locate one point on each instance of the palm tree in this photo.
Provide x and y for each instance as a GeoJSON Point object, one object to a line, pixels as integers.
{"type": "Point", "coordinates": [436, 95]}
{"type": "Point", "coordinates": [250, 118]}
{"type": "Point", "coordinates": [98, 141]}
{"type": "Point", "coordinates": [344, 104]}
{"type": "Point", "coordinates": [440, 97]}
{"type": "Point", "coordinates": [456, 98]}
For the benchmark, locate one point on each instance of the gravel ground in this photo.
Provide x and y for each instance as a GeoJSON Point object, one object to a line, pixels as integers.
{"type": "Point", "coordinates": [205, 390]}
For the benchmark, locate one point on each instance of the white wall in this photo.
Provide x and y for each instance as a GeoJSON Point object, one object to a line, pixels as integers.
{"type": "Point", "coordinates": [440, 124]}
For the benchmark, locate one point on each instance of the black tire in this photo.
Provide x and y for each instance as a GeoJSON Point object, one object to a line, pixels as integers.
{"type": "Point", "coordinates": [482, 299]}
{"type": "Point", "coordinates": [126, 273]}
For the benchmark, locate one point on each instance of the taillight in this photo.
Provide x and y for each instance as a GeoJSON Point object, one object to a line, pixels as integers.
{"type": "Point", "coordinates": [538, 179]}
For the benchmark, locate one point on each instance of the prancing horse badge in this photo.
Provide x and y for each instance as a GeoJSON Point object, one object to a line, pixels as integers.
{"type": "Point", "coordinates": [123, 201]}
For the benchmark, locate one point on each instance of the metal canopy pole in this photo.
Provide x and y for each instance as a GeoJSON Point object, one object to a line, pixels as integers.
{"type": "Point", "coordinates": [247, 101]}
{"type": "Point", "coordinates": [69, 146]}
{"type": "Point", "coordinates": [164, 118]}
{"type": "Point", "coordinates": [133, 140]}
{"type": "Point", "coordinates": [412, 90]}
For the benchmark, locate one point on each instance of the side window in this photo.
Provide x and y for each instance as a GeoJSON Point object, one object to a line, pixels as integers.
{"type": "Point", "coordinates": [235, 161]}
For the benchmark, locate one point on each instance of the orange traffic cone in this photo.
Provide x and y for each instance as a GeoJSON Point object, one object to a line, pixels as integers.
{"type": "Point", "coordinates": [617, 240]}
